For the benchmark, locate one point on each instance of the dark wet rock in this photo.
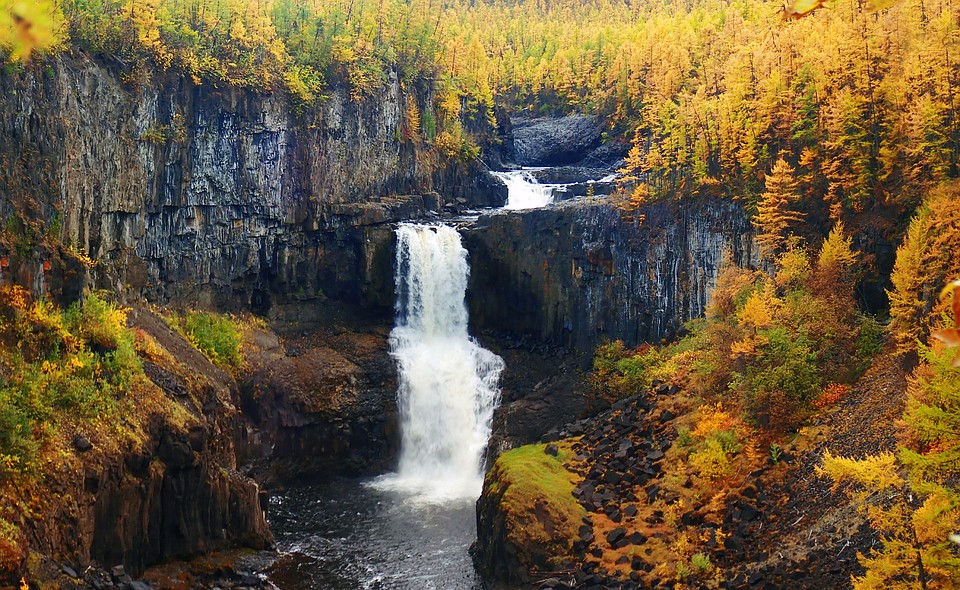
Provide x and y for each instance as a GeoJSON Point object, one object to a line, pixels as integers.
{"type": "Point", "coordinates": [82, 443]}
{"type": "Point", "coordinates": [573, 274]}
{"type": "Point", "coordinates": [329, 410]}
{"type": "Point", "coordinates": [554, 141]}
{"type": "Point", "coordinates": [614, 536]}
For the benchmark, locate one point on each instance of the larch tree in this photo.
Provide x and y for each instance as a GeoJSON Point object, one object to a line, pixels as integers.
{"type": "Point", "coordinates": [776, 215]}
{"type": "Point", "coordinates": [926, 261]}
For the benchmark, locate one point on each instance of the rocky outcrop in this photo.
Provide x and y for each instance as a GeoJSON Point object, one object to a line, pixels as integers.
{"type": "Point", "coordinates": [576, 273]}
{"type": "Point", "coordinates": [321, 405]}
{"type": "Point", "coordinates": [554, 141]}
{"type": "Point", "coordinates": [542, 388]}
{"type": "Point", "coordinates": [205, 195]}
{"type": "Point", "coordinates": [527, 517]}
{"type": "Point", "coordinates": [158, 480]}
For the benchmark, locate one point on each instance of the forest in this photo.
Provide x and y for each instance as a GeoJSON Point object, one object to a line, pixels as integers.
{"type": "Point", "coordinates": [859, 103]}
{"type": "Point", "coordinates": [835, 129]}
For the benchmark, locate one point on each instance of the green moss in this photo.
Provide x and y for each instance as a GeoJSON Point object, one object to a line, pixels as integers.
{"type": "Point", "coordinates": [537, 501]}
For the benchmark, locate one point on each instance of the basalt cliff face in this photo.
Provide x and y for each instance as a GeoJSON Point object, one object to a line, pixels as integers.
{"type": "Point", "coordinates": [197, 195]}
{"type": "Point", "coordinates": [160, 482]}
{"type": "Point", "coordinates": [580, 272]}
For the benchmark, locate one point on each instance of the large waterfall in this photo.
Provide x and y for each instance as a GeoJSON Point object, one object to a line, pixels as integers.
{"type": "Point", "coordinates": [448, 383]}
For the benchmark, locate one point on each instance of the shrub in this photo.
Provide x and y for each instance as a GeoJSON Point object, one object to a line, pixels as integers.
{"type": "Point", "coordinates": [870, 338]}
{"type": "Point", "coordinates": [777, 388]}
{"type": "Point", "coordinates": [701, 562]}
{"type": "Point", "coordinates": [831, 395]}
{"type": "Point", "coordinates": [79, 361]}
{"type": "Point", "coordinates": [216, 336]}
{"type": "Point", "coordinates": [776, 453]}
{"type": "Point", "coordinates": [712, 461]}
{"type": "Point", "coordinates": [17, 445]}
{"type": "Point", "coordinates": [101, 324]}
{"type": "Point", "coordinates": [619, 372]}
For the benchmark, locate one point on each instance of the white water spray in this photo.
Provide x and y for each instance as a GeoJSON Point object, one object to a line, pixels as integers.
{"type": "Point", "coordinates": [524, 191]}
{"type": "Point", "coordinates": [448, 383]}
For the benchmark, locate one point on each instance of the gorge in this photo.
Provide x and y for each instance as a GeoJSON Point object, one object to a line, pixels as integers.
{"type": "Point", "coordinates": [254, 337]}
{"type": "Point", "coordinates": [231, 209]}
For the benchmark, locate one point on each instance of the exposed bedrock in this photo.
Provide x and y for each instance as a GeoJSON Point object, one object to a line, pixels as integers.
{"type": "Point", "coordinates": [321, 404]}
{"type": "Point", "coordinates": [555, 141]}
{"type": "Point", "coordinates": [208, 196]}
{"type": "Point", "coordinates": [577, 273]}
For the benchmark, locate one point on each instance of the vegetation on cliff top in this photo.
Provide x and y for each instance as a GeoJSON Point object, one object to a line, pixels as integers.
{"type": "Point", "coordinates": [859, 107]}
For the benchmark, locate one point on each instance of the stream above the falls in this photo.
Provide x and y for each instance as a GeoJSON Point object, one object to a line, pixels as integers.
{"type": "Point", "coordinates": [347, 535]}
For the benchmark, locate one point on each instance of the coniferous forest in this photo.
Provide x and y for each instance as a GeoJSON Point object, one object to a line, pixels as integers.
{"type": "Point", "coordinates": [812, 405]}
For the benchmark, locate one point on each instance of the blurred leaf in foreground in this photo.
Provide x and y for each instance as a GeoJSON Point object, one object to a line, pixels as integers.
{"type": "Point", "coordinates": [28, 26]}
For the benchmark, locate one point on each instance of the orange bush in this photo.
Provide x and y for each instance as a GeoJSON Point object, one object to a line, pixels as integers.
{"type": "Point", "coordinates": [831, 395]}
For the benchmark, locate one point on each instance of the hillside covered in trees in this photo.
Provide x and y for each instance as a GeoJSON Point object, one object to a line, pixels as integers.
{"type": "Point", "coordinates": [860, 104]}
{"type": "Point", "coordinates": [838, 132]}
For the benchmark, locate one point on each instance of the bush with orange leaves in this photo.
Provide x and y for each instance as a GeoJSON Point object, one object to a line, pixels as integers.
{"type": "Point", "coordinates": [831, 395]}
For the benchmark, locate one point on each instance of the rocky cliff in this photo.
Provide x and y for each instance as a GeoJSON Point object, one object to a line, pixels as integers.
{"type": "Point", "coordinates": [156, 481]}
{"type": "Point", "coordinates": [577, 273]}
{"type": "Point", "coordinates": [203, 195]}
{"type": "Point", "coordinates": [321, 404]}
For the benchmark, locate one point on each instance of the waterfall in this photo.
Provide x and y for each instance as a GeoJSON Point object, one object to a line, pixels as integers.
{"type": "Point", "coordinates": [448, 383]}
{"type": "Point", "coordinates": [524, 191]}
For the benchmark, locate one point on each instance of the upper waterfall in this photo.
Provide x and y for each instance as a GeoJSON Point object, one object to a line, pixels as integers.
{"type": "Point", "coordinates": [448, 383]}
{"type": "Point", "coordinates": [524, 191]}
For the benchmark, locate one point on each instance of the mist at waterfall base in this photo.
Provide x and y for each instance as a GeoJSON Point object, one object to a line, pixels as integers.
{"type": "Point", "coordinates": [410, 529]}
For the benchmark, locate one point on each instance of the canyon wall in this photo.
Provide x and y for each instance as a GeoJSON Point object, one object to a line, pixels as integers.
{"type": "Point", "coordinates": [582, 272]}
{"type": "Point", "coordinates": [199, 195]}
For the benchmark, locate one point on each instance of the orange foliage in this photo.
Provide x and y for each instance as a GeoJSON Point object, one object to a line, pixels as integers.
{"type": "Point", "coordinates": [831, 395]}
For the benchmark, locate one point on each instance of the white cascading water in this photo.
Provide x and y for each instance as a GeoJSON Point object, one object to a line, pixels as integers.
{"type": "Point", "coordinates": [524, 191]}
{"type": "Point", "coordinates": [448, 383]}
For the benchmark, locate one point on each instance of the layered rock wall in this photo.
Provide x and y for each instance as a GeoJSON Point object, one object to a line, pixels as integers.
{"type": "Point", "coordinates": [578, 273]}
{"type": "Point", "coordinates": [202, 195]}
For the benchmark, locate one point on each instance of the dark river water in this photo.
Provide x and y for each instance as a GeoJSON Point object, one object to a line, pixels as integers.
{"type": "Point", "coordinates": [345, 535]}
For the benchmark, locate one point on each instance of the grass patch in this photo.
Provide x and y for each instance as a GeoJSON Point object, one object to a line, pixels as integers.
{"type": "Point", "coordinates": [217, 336]}
{"type": "Point", "coordinates": [538, 499]}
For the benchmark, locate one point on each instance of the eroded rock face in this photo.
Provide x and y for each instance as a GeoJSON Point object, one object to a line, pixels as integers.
{"type": "Point", "coordinates": [322, 404]}
{"type": "Point", "coordinates": [554, 141]}
{"type": "Point", "coordinates": [577, 273]}
{"type": "Point", "coordinates": [174, 494]}
{"type": "Point", "coordinates": [208, 196]}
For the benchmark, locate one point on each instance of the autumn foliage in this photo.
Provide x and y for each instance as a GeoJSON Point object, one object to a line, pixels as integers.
{"type": "Point", "coordinates": [926, 261]}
